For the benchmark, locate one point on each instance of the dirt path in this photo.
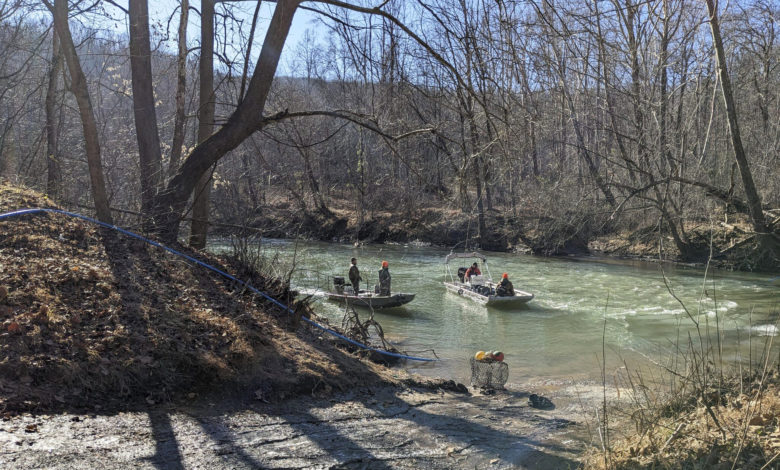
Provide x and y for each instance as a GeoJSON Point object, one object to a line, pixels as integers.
{"type": "Point", "coordinates": [384, 428]}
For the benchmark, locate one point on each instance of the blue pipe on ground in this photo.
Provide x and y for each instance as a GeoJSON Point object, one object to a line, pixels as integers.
{"type": "Point", "coordinates": [196, 261]}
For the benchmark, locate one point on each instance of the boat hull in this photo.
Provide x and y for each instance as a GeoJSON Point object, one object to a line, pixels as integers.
{"type": "Point", "coordinates": [373, 301]}
{"type": "Point", "coordinates": [464, 290]}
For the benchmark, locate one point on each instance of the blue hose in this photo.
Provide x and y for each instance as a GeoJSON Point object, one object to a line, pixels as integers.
{"type": "Point", "coordinates": [8, 215]}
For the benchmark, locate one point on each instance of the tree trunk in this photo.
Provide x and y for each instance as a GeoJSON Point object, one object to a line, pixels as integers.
{"type": "Point", "coordinates": [583, 149]}
{"type": "Point", "coordinates": [87, 114]}
{"type": "Point", "coordinates": [664, 152]}
{"type": "Point", "coordinates": [623, 151]}
{"type": "Point", "coordinates": [531, 133]}
{"type": "Point", "coordinates": [753, 199]}
{"type": "Point", "coordinates": [200, 204]}
{"type": "Point", "coordinates": [480, 207]}
{"type": "Point", "coordinates": [8, 158]}
{"type": "Point", "coordinates": [149, 153]}
{"type": "Point", "coordinates": [53, 169]}
{"type": "Point", "coordinates": [250, 41]}
{"type": "Point", "coordinates": [181, 90]}
{"type": "Point", "coordinates": [477, 172]}
{"type": "Point", "coordinates": [246, 119]}
{"type": "Point", "coordinates": [643, 159]}
{"type": "Point", "coordinates": [314, 185]}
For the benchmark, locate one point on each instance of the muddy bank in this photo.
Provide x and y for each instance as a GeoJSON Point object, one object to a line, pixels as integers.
{"type": "Point", "coordinates": [383, 427]}
{"type": "Point", "coordinates": [727, 243]}
{"type": "Point", "coordinates": [526, 233]}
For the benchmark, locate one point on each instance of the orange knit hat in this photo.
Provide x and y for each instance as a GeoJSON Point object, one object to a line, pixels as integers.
{"type": "Point", "coordinates": [505, 275]}
{"type": "Point", "coordinates": [384, 264]}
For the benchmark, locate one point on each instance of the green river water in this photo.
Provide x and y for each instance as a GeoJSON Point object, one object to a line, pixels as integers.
{"type": "Point", "coordinates": [558, 335]}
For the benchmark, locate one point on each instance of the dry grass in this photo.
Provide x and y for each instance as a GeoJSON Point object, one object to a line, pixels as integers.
{"type": "Point", "coordinates": [745, 436]}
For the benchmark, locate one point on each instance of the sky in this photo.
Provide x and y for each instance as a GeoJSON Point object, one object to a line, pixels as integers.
{"type": "Point", "coordinates": [160, 19]}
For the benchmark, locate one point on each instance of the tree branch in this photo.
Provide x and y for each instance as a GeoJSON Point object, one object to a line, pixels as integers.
{"type": "Point", "coordinates": [359, 119]}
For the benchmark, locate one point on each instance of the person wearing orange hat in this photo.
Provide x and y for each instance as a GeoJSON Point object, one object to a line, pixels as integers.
{"type": "Point", "coordinates": [384, 279]}
{"type": "Point", "coordinates": [505, 287]}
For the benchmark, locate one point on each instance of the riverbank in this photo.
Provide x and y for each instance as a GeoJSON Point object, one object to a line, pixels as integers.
{"type": "Point", "coordinates": [381, 427]}
{"type": "Point", "coordinates": [127, 348]}
{"type": "Point", "coordinates": [93, 320]}
{"type": "Point", "coordinates": [724, 242]}
{"type": "Point", "coordinates": [118, 355]}
{"type": "Point", "coordinates": [734, 424]}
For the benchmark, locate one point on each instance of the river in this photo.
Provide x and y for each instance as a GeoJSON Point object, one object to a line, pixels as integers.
{"type": "Point", "coordinates": [558, 335]}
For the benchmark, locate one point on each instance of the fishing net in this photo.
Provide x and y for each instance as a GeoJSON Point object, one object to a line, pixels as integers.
{"type": "Point", "coordinates": [489, 374]}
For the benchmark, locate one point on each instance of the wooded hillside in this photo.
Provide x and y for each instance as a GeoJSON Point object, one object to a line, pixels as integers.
{"type": "Point", "coordinates": [596, 118]}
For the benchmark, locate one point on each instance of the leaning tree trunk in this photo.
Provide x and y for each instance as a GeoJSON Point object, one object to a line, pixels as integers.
{"type": "Point", "coordinates": [246, 119]}
{"type": "Point", "coordinates": [53, 169]}
{"type": "Point", "coordinates": [582, 148]}
{"type": "Point", "coordinates": [753, 199]}
{"type": "Point", "coordinates": [149, 153]}
{"type": "Point", "coordinates": [78, 83]}
{"type": "Point", "coordinates": [768, 242]}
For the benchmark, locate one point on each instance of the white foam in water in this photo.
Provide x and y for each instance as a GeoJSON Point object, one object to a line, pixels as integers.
{"type": "Point", "coordinates": [650, 309]}
{"type": "Point", "coordinates": [726, 305]}
{"type": "Point", "coordinates": [765, 330]}
{"type": "Point", "coordinates": [658, 310]}
{"type": "Point", "coordinates": [672, 311]}
{"type": "Point", "coordinates": [557, 305]}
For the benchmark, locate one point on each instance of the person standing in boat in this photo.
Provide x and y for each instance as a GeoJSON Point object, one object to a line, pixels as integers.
{"type": "Point", "coordinates": [505, 287]}
{"type": "Point", "coordinates": [354, 276]}
{"type": "Point", "coordinates": [472, 271]}
{"type": "Point", "coordinates": [384, 279]}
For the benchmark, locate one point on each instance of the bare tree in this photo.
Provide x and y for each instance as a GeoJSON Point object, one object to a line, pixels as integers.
{"type": "Point", "coordinates": [181, 89]}
{"type": "Point", "coordinates": [753, 198]}
{"type": "Point", "coordinates": [246, 119]}
{"type": "Point", "coordinates": [534, 114]}
{"type": "Point", "coordinates": [78, 84]}
{"type": "Point", "coordinates": [200, 204]}
{"type": "Point", "coordinates": [53, 167]}
{"type": "Point", "coordinates": [149, 152]}
{"type": "Point", "coordinates": [768, 241]}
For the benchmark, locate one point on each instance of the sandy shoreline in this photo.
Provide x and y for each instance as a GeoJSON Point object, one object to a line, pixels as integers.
{"type": "Point", "coordinates": [380, 427]}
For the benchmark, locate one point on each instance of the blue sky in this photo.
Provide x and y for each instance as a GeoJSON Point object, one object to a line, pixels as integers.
{"type": "Point", "coordinates": [161, 11]}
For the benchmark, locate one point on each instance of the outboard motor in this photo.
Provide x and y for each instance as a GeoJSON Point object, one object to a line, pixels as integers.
{"type": "Point", "coordinates": [462, 273]}
{"type": "Point", "coordinates": [338, 284]}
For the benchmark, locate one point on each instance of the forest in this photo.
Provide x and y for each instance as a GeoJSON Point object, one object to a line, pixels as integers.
{"type": "Point", "coordinates": [534, 122]}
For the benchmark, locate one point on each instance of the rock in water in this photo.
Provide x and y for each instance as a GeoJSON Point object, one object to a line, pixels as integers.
{"type": "Point", "coordinates": [538, 401]}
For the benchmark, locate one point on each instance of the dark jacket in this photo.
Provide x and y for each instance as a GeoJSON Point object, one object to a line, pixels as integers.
{"type": "Point", "coordinates": [384, 281]}
{"type": "Point", "coordinates": [505, 288]}
{"type": "Point", "coordinates": [354, 275]}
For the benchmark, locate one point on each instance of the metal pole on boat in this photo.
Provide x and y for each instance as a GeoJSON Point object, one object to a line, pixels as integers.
{"type": "Point", "coordinates": [487, 268]}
